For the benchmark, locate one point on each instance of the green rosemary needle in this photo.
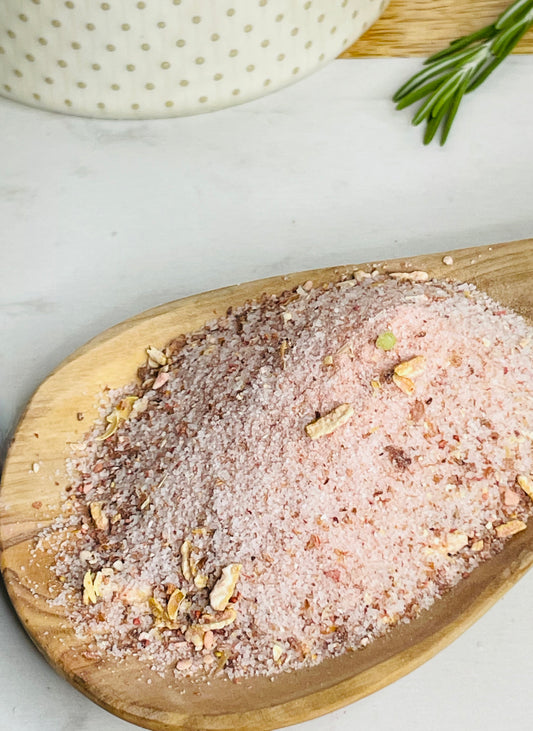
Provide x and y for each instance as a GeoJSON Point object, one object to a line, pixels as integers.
{"type": "Point", "coordinates": [461, 68]}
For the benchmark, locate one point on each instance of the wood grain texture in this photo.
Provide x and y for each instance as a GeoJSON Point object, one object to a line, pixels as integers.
{"type": "Point", "coordinates": [421, 27]}
{"type": "Point", "coordinates": [29, 500]}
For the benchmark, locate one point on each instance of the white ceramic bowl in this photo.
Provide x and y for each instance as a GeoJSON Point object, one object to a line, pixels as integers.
{"type": "Point", "coordinates": [162, 58]}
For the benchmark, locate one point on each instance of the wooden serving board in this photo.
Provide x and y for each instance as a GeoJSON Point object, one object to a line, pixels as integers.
{"type": "Point", "coordinates": [421, 27]}
{"type": "Point", "coordinates": [30, 499]}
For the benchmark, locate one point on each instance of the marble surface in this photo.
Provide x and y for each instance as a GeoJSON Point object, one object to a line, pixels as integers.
{"type": "Point", "coordinates": [102, 219]}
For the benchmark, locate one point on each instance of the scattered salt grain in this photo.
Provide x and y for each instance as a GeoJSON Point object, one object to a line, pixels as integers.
{"type": "Point", "coordinates": [416, 276]}
{"type": "Point", "coordinates": [161, 379]}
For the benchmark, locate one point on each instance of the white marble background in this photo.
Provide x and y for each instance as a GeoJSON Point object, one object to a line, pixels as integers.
{"type": "Point", "coordinates": [100, 220]}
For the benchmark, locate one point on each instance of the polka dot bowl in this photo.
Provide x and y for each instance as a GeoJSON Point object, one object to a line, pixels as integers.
{"type": "Point", "coordinates": [161, 58]}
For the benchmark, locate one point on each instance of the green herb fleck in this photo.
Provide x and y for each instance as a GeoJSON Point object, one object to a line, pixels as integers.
{"type": "Point", "coordinates": [386, 341]}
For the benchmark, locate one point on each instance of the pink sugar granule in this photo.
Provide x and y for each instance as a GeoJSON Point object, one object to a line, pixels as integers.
{"type": "Point", "coordinates": [339, 537]}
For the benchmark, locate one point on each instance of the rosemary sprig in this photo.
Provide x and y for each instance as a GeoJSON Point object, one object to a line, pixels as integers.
{"type": "Point", "coordinates": [461, 68]}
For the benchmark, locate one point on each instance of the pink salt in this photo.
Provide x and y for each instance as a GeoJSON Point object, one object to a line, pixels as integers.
{"type": "Point", "coordinates": [339, 537]}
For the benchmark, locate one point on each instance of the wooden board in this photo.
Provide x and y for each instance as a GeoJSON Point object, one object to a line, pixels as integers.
{"type": "Point", "coordinates": [29, 500]}
{"type": "Point", "coordinates": [421, 27]}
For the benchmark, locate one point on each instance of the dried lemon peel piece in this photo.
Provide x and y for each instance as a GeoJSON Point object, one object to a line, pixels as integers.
{"type": "Point", "coordinates": [210, 622]}
{"type": "Point", "coordinates": [404, 384]}
{"type": "Point", "coordinates": [386, 340]}
{"type": "Point", "coordinates": [222, 658]}
{"type": "Point", "coordinates": [416, 276]}
{"type": "Point", "coordinates": [195, 635]}
{"type": "Point", "coordinates": [359, 275]}
{"type": "Point", "coordinates": [455, 541]}
{"type": "Point", "coordinates": [328, 360]}
{"type": "Point", "coordinates": [526, 483]}
{"type": "Point", "coordinates": [89, 594]}
{"type": "Point", "coordinates": [145, 503]}
{"type": "Point", "coordinates": [97, 583]}
{"type": "Point", "coordinates": [331, 421]}
{"type": "Point", "coordinates": [346, 284]}
{"type": "Point", "coordinates": [158, 610]}
{"type": "Point", "coordinates": [157, 357]}
{"type": "Point", "coordinates": [510, 528]}
{"type": "Point", "coordinates": [407, 370]}
{"type": "Point", "coordinates": [185, 551]}
{"type": "Point", "coordinates": [174, 602]}
{"type": "Point", "coordinates": [223, 590]}
{"type": "Point", "coordinates": [201, 581]}
{"type": "Point", "coordinates": [411, 368]}
{"type": "Point", "coordinates": [477, 546]}
{"type": "Point", "coordinates": [98, 515]}
{"type": "Point", "coordinates": [277, 652]}
{"type": "Point", "coordinates": [195, 566]}
{"type": "Point", "coordinates": [136, 594]}
{"type": "Point", "coordinates": [283, 349]}
{"type": "Point", "coordinates": [113, 420]}
{"type": "Point", "coordinates": [126, 406]}
{"type": "Point", "coordinates": [120, 413]}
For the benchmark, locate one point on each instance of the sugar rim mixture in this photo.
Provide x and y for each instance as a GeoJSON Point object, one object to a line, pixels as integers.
{"type": "Point", "coordinates": [299, 476]}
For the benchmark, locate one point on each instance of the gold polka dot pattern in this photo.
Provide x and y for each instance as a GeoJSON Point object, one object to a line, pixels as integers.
{"type": "Point", "coordinates": [168, 58]}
